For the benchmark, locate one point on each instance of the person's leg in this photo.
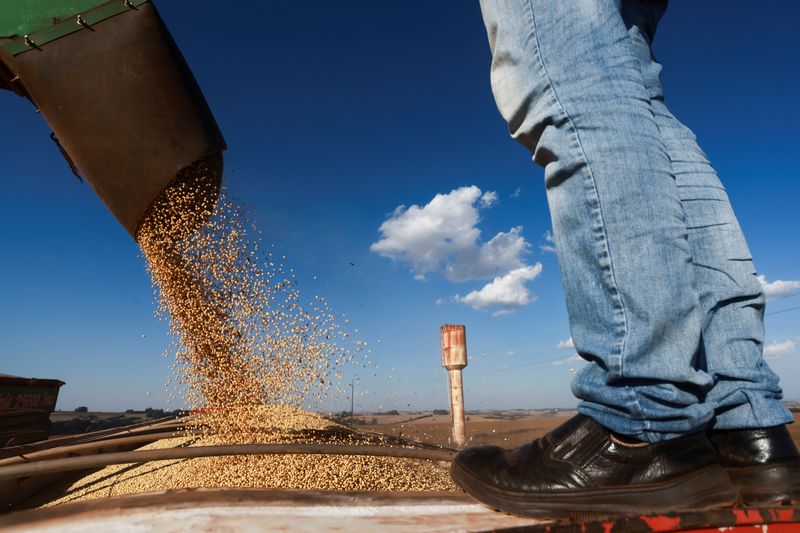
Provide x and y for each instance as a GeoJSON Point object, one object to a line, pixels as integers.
{"type": "Point", "coordinates": [567, 79]}
{"type": "Point", "coordinates": [745, 392]}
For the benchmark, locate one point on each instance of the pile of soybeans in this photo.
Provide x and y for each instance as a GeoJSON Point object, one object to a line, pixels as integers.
{"type": "Point", "coordinates": [248, 354]}
{"type": "Point", "coordinates": [312, 472]}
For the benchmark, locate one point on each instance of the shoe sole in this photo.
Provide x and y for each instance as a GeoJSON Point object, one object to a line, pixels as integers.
{"type": "Point", "coordinates": [705, 488]}
{"type": "Point", "coordinates": [777, 484]}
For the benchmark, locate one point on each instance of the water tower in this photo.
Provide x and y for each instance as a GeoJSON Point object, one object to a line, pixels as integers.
{"type": "Point", "coordinates": [454, 358]}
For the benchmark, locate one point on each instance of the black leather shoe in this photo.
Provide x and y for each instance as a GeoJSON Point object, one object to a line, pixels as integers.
{"type": "Point", "coordinates": [763, 464]}
{"type": "Point", "coordinates": [580, 470]}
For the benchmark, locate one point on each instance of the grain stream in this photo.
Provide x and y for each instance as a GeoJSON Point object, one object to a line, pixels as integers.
{"type": "Point", "coordinates": [242, 336]}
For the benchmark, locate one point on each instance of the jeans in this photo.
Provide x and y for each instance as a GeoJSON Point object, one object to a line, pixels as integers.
{"type": "Point", "coordinates": [661, 291]}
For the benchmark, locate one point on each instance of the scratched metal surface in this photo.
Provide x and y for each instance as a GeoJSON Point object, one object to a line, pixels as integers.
{"type": "Point", "coordinates": [244, 510]}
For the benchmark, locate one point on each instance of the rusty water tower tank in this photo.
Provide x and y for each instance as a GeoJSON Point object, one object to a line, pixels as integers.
{"type": "Point", "coordinates": [454, 347]}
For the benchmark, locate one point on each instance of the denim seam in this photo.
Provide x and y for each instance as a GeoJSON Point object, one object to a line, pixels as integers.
{"type": "Point", "coordinates": [602, 238]}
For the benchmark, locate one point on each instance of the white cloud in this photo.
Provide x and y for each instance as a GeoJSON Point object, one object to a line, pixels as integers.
{"type": "Point", "coordinates": [427, 236]}
{"type": "Point", "coordinates": [488, 198]}
{"type": "Point", "coordinates": [516, 193]}
{"type": "Point", "coordinates": [510, 353]}
{"type": "Point", "coordinates": [549, 247]}
{"type": "Point", "coordinates": [566, 345]}
{"type": "Point", "coordinates": [776, 349]}
{"type": "Point", "coordinates": [499, 255]}
{"type": "Point", "coordinates": [507, 292]}
{"type": "Point", "coordinates": [443, 235]}
{"type": "Point", "coordinates": [778, 288]}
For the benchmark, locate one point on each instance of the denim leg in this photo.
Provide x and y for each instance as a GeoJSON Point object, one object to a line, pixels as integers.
{"type": "Point", "coordinates": [745, 392]}
{"type": "Point", "coordinates": [566, 78]}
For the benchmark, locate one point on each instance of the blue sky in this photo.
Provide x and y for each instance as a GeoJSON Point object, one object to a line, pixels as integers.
{"type": "Point", "coordinates": [336, 114]}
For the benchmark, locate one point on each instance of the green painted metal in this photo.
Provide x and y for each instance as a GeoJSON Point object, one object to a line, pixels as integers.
{"type": "Point", "coordinates": [20, 17]}
{"type": "Point", "coordinates": [43, 21]}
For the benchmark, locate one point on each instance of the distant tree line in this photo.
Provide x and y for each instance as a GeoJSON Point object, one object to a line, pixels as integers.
{"type": "Point", "coordinates": [86, 423]}
{"type": "Point", "coordinates": [344, 417]}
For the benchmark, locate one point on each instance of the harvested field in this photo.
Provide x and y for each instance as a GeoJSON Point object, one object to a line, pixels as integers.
{"type": "Point", "coordinates": [484, 428]}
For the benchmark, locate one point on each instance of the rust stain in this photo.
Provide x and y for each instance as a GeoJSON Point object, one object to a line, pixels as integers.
{"type": "Point", "coordinates": [747, 516]}
{"type": "Point", "coordinates": [782, 515]}
{"type": "Point", "coordinates": [662, 523]}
